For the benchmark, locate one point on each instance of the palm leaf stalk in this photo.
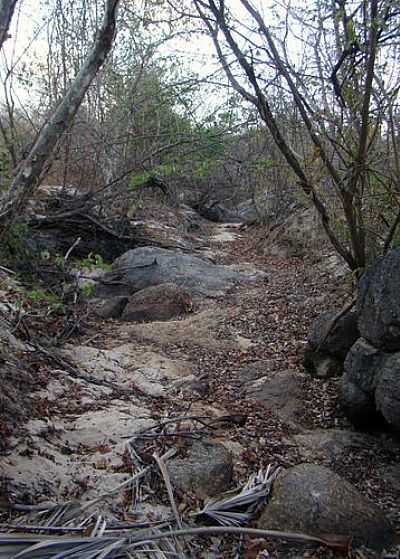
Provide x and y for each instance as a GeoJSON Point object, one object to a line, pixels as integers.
{"type": "Point", "coordinates": [238, 507]}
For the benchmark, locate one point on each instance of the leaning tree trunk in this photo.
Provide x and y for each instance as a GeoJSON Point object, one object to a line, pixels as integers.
{"type": "Point", "coordinates": [29, 172]}
{"type": "Point", "coordinates": [7, 8]}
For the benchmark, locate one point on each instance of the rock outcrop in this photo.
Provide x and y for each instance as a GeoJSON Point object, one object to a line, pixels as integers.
{"type": "Point", "coordinates": [362, 367]}
{"type": "Point", "coordinates": [371, 383]}
{"type": "Point", "coordinates": [379, 303]}
{"type": "Point", "coordinates": [294, 237]}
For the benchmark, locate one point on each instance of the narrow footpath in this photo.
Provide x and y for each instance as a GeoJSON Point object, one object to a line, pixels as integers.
{"type": "Point", "coordinates": [224, 385]}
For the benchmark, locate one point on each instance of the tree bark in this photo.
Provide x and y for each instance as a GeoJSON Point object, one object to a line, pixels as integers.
{"type": "Point", "coordinates": [7, 8]}
{"type": "Point", "coordinates": [30, 171]}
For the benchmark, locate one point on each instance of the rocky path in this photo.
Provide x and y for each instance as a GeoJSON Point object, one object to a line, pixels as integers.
{"type": "Point", "coordinates": [223, 385]}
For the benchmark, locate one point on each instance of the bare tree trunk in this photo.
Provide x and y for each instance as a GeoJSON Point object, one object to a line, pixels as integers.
{"type": "Point", "coordinates": [7, 8]}
{"type": "Point", "coordinates": [29, 173]}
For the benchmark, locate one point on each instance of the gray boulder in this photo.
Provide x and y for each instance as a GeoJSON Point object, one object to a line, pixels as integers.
{"type": "Point", "coordinates": [147, 266]}
{"type": "Point", "coordinates": [379, 302]}
{"type": "Point", "coordinates": [314, 500]}
{"type": "Point", "coordinates": [111, 308]}
{"type": "Point", "coordinates": [361, 371]}
{"type": "Point", "coordinates": [247, 211]}
{"type": "Point", "coordinates": [215, 211]}
{"type": "Point", "coordinates": [325, 354]}
{"type": "Point", "coordinates": [159, 302]}
{"type": "Point", "coordinates": [340, 339]}
{"type": "Point", "coordinates": [371, 386]}
{"type": "Point", "coordinates": [206, 470]}
{"type": "Point", "coordinates": [387, 393]}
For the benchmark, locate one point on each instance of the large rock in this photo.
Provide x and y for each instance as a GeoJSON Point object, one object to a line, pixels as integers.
{"type": "Point", "coordinates": [148, 266]}
{"type": "Point", "coordinates": [215, 211]}
{"type": "Point", "coordinates": [361, 370]}
{"type": "Point", "coordinates": [160, 302]}
{"type": "Point", "coordinates": [314, 500]}
{"type": "Point", "coordinates": [341, 337]}
{"type": "Point", "coordinates": [325, 353]}
{"type": "Point", "coordinates": [379, 302]}
{"type": "Point", "coordinates": [387, 393]}
{"type": "Point", "coordinates": [371, 386]}
{"type": "Point", "coordinates": [206, 470]}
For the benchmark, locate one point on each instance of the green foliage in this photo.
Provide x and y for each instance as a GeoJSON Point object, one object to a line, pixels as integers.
{"type": "Point", "coordinates": [52, 300]}
{"type": "Point", "coordinates": [140, 180]}
{"type": "Point", "coordinates": [88, 290]}
{"type": "Point", "coordinates": [5, 167]}
{"type": "Point", "coordinates": [203, 169]}
{"type": "Point", "coordinates": [14, 248]}
{"type": "Point", "coordinates": [93, 261]}
{"type": "Point", "coordinates": [261, 165]}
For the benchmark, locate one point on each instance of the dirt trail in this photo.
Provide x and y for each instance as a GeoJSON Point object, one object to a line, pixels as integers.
{"type": "Point", "coordinates": [237, 357]}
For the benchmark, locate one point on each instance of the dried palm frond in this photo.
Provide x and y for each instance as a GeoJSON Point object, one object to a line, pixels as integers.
{"type": "Point", "coordinates": [41, 547]}
{"type": "Point", "coordinates": [238, 507]}
{"type": "Point", "coordinates": [100, 540]}
{"type": "Point", "coordinates": [28, 547]}
{"type": "Point", "coordinates": [139, 544]}
{"type": "Point", "coordinates": [71, 513]}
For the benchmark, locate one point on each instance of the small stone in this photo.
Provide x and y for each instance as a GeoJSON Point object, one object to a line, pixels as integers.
{"type": "Point", "coordinates": [281, 392]}
{"type": "Point", "coordinates": [205, 471]}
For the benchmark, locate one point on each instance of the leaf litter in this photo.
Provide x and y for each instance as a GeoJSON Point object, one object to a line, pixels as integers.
{"type": "Point", "coordinates": [275, 315]}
